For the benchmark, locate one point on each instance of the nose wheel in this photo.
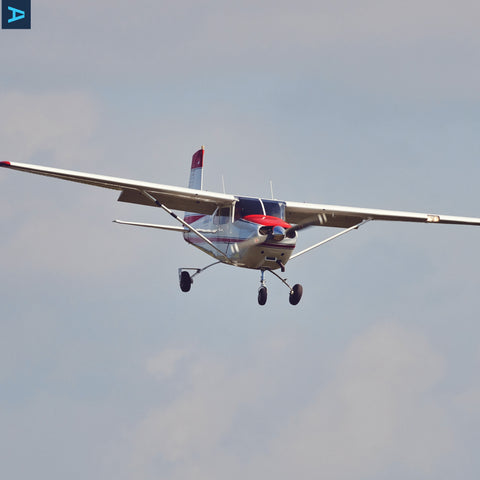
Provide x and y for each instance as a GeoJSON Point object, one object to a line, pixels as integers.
{"type": "Point", "coordinates": [262, 291]}
{"type": "Point", "coordinates": [262, 295]}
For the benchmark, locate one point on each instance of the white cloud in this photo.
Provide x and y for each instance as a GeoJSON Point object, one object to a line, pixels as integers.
{"type": "Point", "coordinates": [165, 364]}
{"type": "Point", "coordinates": [376, 412]}
{"type": "Point", "coordinates": [194, 424]}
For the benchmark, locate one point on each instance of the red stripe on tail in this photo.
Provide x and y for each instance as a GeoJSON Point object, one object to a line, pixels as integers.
{"type": "Point", "coordinates": [197, 159]}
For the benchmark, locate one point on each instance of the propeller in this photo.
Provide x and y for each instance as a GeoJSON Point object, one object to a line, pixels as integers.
{"type": "Point", "coordinates": [309, 222]}
{"type": "Point", "coordinates": [252, 241]}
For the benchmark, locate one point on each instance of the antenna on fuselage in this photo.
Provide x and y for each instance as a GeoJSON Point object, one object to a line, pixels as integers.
{"type": "Point", "coordinates": [223, 184]}
{"type": "Point", "coordinates": [271, 189]}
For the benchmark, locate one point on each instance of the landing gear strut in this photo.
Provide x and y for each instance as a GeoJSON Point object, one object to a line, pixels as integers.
{"type": "Point", "coordinates": [296, 291]}
{"type": "Point", "coordinates": [186, 279]}
{"type": "Point", "coordinates": [262, 291]}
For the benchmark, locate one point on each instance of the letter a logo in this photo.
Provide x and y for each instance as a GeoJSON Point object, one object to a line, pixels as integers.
{"type": "Point", "coordinates": [15, 17]}
{"type": "Point", "coordinates": [16, 14]}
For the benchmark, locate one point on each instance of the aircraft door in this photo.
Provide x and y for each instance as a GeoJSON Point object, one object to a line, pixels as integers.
{"type": "Point", "coordinates": [222, 218]}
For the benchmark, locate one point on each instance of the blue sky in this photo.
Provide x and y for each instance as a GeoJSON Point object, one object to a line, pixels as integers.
{"type": "Point", "coordinates": [108, 370]}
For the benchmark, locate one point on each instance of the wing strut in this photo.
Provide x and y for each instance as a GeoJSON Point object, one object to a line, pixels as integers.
{"type": "Point", "coordinates": [333, 237]}
{"type": "Point", "coordinates": [151, 225]}
{"type": "Point", "coordinates": [183, 222]}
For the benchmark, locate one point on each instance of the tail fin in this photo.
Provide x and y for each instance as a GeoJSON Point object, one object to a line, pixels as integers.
{"type": "Point", "coordinates": [196, 181]}
{"type": "Point", "coordinates": [196, 172]}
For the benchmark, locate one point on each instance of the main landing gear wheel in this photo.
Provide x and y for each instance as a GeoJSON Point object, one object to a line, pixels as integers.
{"type": "Point", "coordinates": [262, 295]}
{"type": "Point", "coordinates": [185, 281]}
{"type": "Point", "coordinates": [296, 291]}
{"type": "Point", "coordinates": [295, 294]}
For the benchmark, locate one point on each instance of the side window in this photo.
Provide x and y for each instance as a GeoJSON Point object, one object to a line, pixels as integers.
{"type": "Point", "coordinates": [223, 215]}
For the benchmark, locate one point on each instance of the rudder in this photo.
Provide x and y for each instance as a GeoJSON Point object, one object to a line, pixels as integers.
{"type": "Point", "coordinates": [196, 172]}
{"type": "Point", "coordinates": [196, 181]}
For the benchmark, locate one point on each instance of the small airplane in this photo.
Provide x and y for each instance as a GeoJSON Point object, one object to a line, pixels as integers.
{"type": "Point", "coordinates": [248, 232]}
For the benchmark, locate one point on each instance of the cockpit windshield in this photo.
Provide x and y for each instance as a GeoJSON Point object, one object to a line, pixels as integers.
{"type": "Point", "coordinates": [274, 209]}
{"type": "Point", "coordinates": [248, 206]}
{"type": "Point", "coordinates": [255, 206]}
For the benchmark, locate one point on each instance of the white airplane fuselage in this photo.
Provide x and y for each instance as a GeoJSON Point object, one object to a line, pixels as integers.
{"type": "Point", "coordinates": [255, 240]}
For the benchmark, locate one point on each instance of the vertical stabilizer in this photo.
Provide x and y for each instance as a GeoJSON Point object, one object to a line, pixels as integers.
{"type": "Point", "coordinates": [196, 181]}
{"type": "Point", "coordinates": [196, 173]}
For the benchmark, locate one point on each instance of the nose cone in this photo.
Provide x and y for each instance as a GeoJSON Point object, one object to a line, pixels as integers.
{"type": "Point", "coordinates": [278, 233]}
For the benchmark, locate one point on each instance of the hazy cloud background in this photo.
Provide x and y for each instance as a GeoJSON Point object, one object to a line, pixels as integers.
{"type": "Point", "coordinates": [108, 370]}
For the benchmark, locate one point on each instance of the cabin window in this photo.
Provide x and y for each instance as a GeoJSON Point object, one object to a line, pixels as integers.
{"type": "Point", "coordinates": [274, 209]}
{"type": "Point", "coordinates": [223, 215]}
{"type": "Point", "coordinates": [248, 206]}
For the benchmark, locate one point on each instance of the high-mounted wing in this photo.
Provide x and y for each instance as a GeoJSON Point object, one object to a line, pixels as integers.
{"type": "Point", "coordinates": [176, 198]}
{"type": "Point", "coordinates": [345, 217]}
{"type": "Point", "coordinates": [201, 201]}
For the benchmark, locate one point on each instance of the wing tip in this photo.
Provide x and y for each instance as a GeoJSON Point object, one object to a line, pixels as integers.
{"type": "Point", "coordinates": [4, 164]}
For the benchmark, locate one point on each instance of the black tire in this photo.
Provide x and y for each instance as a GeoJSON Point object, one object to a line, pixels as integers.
{"type": "Point", "coordinates": [185, 281]}
{"type": "Point", "coordinates": [295, 294]}
{"type": "Point", "coordinates": [262, 295]}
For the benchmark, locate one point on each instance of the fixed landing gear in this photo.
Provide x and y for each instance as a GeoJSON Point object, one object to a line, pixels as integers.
{"type": "Point", "coordinates": [295, 295]}
{"type": "Point", "coordinates": [262, 291]}
{"type": "Point", "coordinates": [185, 281]}
{"type": "Point", "coordinates": [262, 295]}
